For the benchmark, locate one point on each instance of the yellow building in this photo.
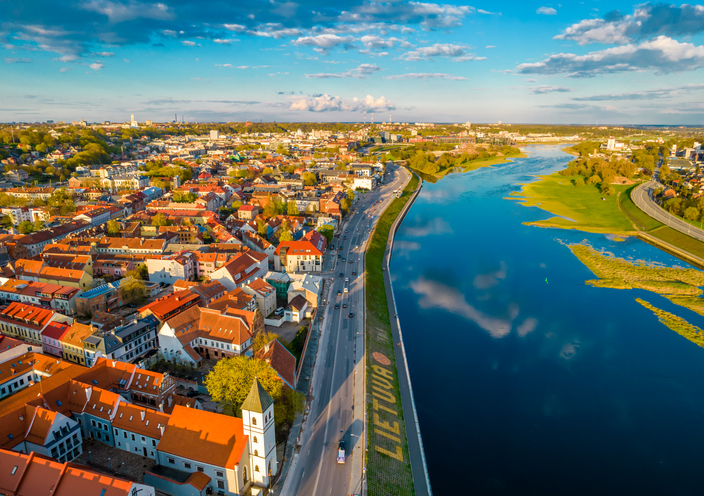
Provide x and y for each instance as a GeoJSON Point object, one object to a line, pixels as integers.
{"type": "Point", "coordinates": [72, 343]}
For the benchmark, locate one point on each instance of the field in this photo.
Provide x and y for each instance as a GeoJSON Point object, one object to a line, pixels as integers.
{"type": "Point", "coordinates": [584, 208]}
{"type": "Point", "coordinates": [677, 324]}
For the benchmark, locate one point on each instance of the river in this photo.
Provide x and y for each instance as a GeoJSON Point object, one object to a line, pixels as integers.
{"type": "Point", "coordinates": [526, 380]}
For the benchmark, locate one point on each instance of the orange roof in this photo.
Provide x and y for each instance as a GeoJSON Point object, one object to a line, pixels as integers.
{"type": "Point", "coordinates": [26, 315]}
{"type": "Point", "coordinates": [166, 305]}
{"type": "Point", "coordinates": [140, 420]}
{"type": "Point", "coordinates": [40, 424]}
{"type": "Point", "coordinates": [205, 437]}
{"type": "Point", "coordinates": [33, 475]}
{"type": "Point", "coordinates": [76, 335]}
{"type": "Point", "coordinates": [280, 359]}
{"type": "Point", "coordinates": [299, 248]}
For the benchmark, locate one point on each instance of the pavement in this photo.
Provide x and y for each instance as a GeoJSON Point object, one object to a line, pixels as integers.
{"type": "Point", "coordinates": [336, 410]}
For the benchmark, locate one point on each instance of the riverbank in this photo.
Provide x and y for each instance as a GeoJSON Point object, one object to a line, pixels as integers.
{"type": "Point", "coordinates": [389, 470]}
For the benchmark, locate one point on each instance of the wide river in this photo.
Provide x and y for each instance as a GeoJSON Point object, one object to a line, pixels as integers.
{"type": "Point", "coordinates": [526, 380]}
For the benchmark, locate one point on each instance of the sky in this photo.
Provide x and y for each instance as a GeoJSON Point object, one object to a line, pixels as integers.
{"type": "Point", "coordinates": [589, 62]}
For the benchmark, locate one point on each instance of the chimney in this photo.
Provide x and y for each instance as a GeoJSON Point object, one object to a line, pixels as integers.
{"type": "Point", "coordinates": [89, 391]}
{"type": "Point", "coordinates": [143, 413]}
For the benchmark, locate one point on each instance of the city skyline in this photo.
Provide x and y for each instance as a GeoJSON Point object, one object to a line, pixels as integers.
{"type": "Point", "coordinates": [98, 60]}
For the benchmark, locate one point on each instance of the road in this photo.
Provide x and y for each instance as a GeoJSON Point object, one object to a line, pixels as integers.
{"type": "Point", "coordinates": [337, 381]}
{"type": "Point", "coordinates": [642, 197]}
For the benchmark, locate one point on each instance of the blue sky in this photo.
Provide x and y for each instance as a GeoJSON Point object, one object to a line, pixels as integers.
{"type": "Point", "coordinates": [224, 60]}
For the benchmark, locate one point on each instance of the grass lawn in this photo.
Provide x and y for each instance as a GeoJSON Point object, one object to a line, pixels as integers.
{"type": "Point", "coordinates": [637, 216]}
{"type": "Point", "coordinates": [386, 475]}
{"type": "Point", "coordinates": [680, 240]}
{"type": "Point", "coordinates": [585, 208]}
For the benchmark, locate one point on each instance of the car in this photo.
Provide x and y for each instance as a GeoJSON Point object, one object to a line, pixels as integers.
{"type": "Point", "coordinates": [351, 315]}
{"type": "Point", "coordinates": [344, 259]}
{"type": "Point", "coordinates": [341, 451]}
{"type": "Point", "coordinates": [344, 305]}
{"type": "Point", "coordinates": [346, 290]}
{"type": "Point", "coordinates": [354, 273]}
{"type": "Point", "coordinates": [342, 274]}
{"type": "Point", "coordinates": [347, 279]}
{"type": "Point", "coordinates": [345, 237]}
{"type": "Point", "coordinates": [339, 255]}
{"type": "Point", "coordinates": [337, 306]}
{"type": "Point", "coordinates": [351, 261]}
{"type": "Point", "coordinates": [339, 291]}
{"type": "Point", "coordinates": [346, 231]}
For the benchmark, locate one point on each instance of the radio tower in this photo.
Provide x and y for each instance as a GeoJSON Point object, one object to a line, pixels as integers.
{"type": "Point", "coordinates": [372, 118]}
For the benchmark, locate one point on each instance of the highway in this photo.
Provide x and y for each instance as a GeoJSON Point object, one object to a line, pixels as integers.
{"type": "Point", "coordinates": [642, 197]}
{"type": "Point", "coordinates": [337, 381]}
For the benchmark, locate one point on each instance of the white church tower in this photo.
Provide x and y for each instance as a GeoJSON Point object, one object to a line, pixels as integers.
{"type": "Point", "coordinates": [258, 419]}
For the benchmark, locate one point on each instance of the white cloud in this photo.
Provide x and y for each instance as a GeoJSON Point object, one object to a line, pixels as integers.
{"type": "Point", "coordinates": [544, 89]}
{"type": "Point", "coordinates": [546, 11]}
{"type": "Point", "coordinates": [223, 65]}
{"type": "Point", "coordinates": [360, 72]}
{"type": "Point", "coordinates": [596, 31]}
{"type": "Point", "coordinates": [121, 12]}
{"type": "Point", "coordinates": [434, 294]}
{"type": "Point", "coordinates": [65, 69]}
{"type": "Point", "coordinates": [105, 54]}
{"type": "Point", "coordinates": [327, 103]}
{"type": "Point", "coordinates": [222, 42]}
{"type": "Point", "coordinates": [235, 27]}
{"type": "Point", "coordinates": [662, 55]}
{"type": "Point", "coordinates": [644, 95]}
{"type": "Point", "coordinates": [17, 60]}
{"type": "Point", "coordinates": [322, 43]}
{"type": "Point", "coordinates": [127, 61]}
{"type": "Point", "coordinates": [96, 66]}
{"type": "Point", "coordinates": [188, 43]}
{"type": "Point", "coordinates": [274, 30]}
{"type": "Point", "coordinates": [436, 50]}
{"type": "Point", "coordinates": [426, 76]}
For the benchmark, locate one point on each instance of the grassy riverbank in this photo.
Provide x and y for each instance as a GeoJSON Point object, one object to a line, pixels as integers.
{"type": "Point", "coordinates": [388, 463]}
{"type": "Point", "coordinates": [583, 208]}
{"type": "Point", "coordinates": [681, 286]}
{"type": "Point", "coordinates": [677, 324]}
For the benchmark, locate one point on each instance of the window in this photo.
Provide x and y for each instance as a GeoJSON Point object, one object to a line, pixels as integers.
{"type": "Point", "coordinates": [254, 421]}
{"type": "Point", "coordinates": [186, 465]}
{"type": "Point", "coordinates": [256, 468]}
{"type": "Point", "coordinates": [171, 461]}
{"type": "Point", "coordinates": [218, 473]}
{"type": "Point", "coordinates": [221, 484]}
{"type": "Point", "coordinates": [255, 439]}
{"type": "Point", "coordinates": [256, 453]}
{"type": "Point", "coordinates": [133, 437]}
{"type": "Point", "coordinates": [200, 469]}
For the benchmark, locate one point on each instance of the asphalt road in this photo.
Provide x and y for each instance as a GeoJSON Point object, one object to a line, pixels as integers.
{"type": "Point", "coordinates": [314, 469]}
{"type": "Point", "coordinates": [642, 197]}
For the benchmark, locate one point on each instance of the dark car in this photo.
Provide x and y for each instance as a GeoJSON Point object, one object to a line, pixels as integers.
{"type": "Point", "coordinates": [354, 273]}
{"type": "Point", "coordinates": [339, 291]}
{"type": "Point", "coordinates": [351, 315]}
{"type": "Point", "coordinates": [337, 306]}
{"type": "Point", "coordinates": [342, 274]}
{"type": "Point", "coordinates": [344, 305]}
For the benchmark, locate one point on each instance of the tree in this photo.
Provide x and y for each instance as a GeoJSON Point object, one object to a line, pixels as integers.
{"type": "Point", "coordinates": [6, 221]}
{"type": "Point", "coordinates": [231, 380]}
{"type": "Point", "coordinates": [141, 273]}
{"type": "Point", "coordinates": [160, 220]}
{"type": "Point", "coordinates": [345, 205]}
{"type": "Point", "coordinates": [261, 227]}
{"type": "Point", "coordinates": [328, 231]}
{"type": "Point", "coordinates": [578, 182]}
{"type": "Point", "coordinates": [113, 228]}
{"type": "Point", "coordinates": [38, 225]}
{"type": "Point", "coordinates": [309, 178]}
{"type": "Point", "coordinates": [692, 213]}
{"type": "Point", "coordinates": [292, 208]}
{"type": "Point", "coordinates": [133, 289]}
{"type": "Point", "coordinates": [608, 190]}
{"type": "Point", "coordinates": [285, 232]}
{"type": "Point", "coordinates": [350, 195]}
{"type": "Point", "coordinates": [268, 170]}
{"type": "Point", "coordinates": [664, 173]}
{"type": "Point", "coordinates": [25, 227]}
{"type": "Point", "coordinates": [261, 339]}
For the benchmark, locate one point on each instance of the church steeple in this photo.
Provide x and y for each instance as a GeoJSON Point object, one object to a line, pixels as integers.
{"type": "Point", "coordinates": [258, 400]}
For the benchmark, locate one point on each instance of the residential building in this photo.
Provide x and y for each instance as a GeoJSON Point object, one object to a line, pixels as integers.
{"type": "Point", "coordinates": [291, 256]}
{"type": "Point", "coordinates": [130, 342]}
{"type": "Point", "coordinates": [171, 268]}
{"type": "Point", "coordinates": [26, 321]}
{"type": "Point", "coordinates": [72, 346]}
{"type": "Point", "coordinates": [242, 269]}
{"type": "Point", "coordinates": [264, 294]}
{"type": "Point", "coordinates": [168, 306]}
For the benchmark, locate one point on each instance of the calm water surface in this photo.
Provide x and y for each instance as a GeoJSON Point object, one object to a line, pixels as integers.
{"type": "Point", "coordinates": [527, 381]}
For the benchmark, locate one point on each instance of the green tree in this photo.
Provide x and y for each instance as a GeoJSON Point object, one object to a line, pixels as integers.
{"type": "Point", "coordinates": [285, 232]}
{"type": "Point", "coordinates": [345, 205]}
{"type": "Point", "coordinates": [261, 339]}
{"type": "Point", "coordinates": [292, 208]}
{"type": "Point", "coordinates": [25, 227]}
{"type": "Point", "coordinates": [327, 231]}
{"type": "Point", "coordinates": [6, 221]}
{"type": "Point", "coordinates": [692, 213]}
{"type": "Point", "coordinates": [664, 173]}
{"type": "Point", "coordinates": [608, 190]}
{"type": "Point", "coordinates": [231, 380]}
{"type": "Point", "coordinates": [309, 178]}
{"type": "Point", "coordinates": [350, 195]}
{"type": "Point", "coordinates": [578, 182]}
{"type": "Point", "coordinates": [261, 227]}
{"type": "Point", "coordinates": [133, 289]}
{"type": "Point", "coordinates": [268, 170]}
{"type": "Point", "coordinates": [113, 228]}
{"type": "Point", "coordinates": [38, 225]}
{"type": "Point", "coordinates": [160, 220]}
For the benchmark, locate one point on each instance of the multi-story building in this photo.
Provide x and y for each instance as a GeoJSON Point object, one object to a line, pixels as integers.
{"type": "Point", "coordinates": [264, 294]}
{"type": "Point", "coordinates": [130, 342]}
{"type": "Point", "coordinates": [242, 269]}
{"type": "Point", "coordinates": [292, 256]}
{"type": "Point", "coordinates": [26, 321]}
{"type": "Point", "coordinates": [180, 266]}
